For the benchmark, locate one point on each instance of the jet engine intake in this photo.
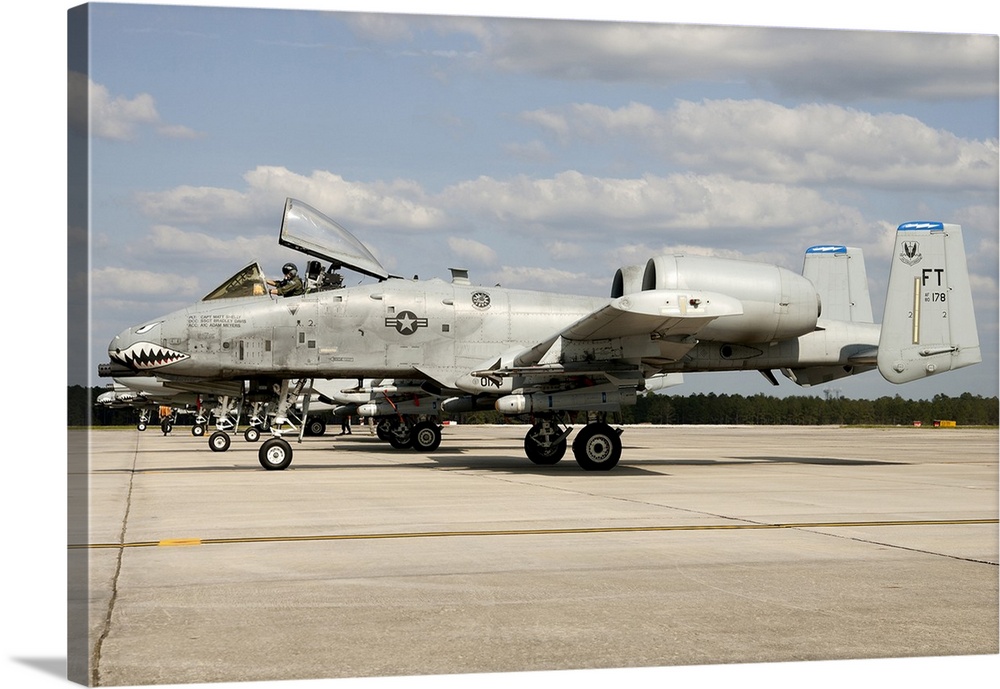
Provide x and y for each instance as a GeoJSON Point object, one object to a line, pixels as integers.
{"type": "Point", "coordinates": [628, 280]}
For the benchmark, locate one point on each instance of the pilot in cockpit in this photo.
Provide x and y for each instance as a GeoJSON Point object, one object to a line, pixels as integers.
{"type": "Point", "coordinates": [291, 285]}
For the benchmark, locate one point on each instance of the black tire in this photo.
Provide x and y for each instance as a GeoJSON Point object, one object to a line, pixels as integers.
{"type": "Point", "coordinates": [275, 454]}
{"type": "Point", "coordinates": [383, 429]}
{"type": "Point", "coordinates": [542, 455]}
{"type": "Point", "coordinates": [251, 434]}
{"type": "Point", "coordinates": [597, 447]}
{"type": "Point", "coordinates": [316, 427]}
{"type": "Point", "coordinates": [141, 426]}
{"type": "Point", "coordinates": [425, 436]}
{"type": "Point", "coordinates": [219, 441]}
{"type": "Point", "coordinates": [400, 436]}
{"type": "Point", "coordinates": [197, 430]}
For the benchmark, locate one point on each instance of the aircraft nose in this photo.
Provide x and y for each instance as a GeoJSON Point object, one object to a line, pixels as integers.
{"type": "Point", "coordinates": [140, 349]}
{"type": "Point", "coordinates": [121, 343]}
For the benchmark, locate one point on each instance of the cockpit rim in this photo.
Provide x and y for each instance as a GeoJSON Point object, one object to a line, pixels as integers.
{"type": "Point", "coordinates": [248, 281]}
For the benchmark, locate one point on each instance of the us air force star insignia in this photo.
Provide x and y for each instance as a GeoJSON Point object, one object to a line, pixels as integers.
{"type": "Point", "coordinates": [406, 323]}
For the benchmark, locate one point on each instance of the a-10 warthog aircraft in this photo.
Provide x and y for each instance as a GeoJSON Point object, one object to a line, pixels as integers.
{"type": "Point", "coordinates": [145, 394]}
{"type": "Point", "coordinates": [546, 355]}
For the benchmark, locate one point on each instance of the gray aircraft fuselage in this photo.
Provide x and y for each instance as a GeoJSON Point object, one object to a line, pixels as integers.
{"type": "Point", "coordinates": [443, 331]}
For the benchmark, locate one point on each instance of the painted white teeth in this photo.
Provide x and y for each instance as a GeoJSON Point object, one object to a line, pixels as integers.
{"type": "Point", "coordinates": [144, 356]}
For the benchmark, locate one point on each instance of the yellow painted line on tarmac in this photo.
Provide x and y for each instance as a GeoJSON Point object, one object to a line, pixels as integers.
{"type": "Point", "coordinates": [179, 541]}
{"type": "Point", "coordinates": [534, 532]}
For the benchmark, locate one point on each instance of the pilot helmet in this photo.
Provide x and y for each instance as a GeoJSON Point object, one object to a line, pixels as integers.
{"type": "Point", "coordinates": [290, 270]}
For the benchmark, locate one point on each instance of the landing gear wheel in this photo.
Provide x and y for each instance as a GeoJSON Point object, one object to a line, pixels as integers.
{"type": "Point", "coordinates": [197, 430]}
{"type": "Point", "coordinates": [426, 436]}
{"type": "Point", "coordinates": [597, 447]}
{"type": "Point", "coordinates": [384, 430]}
{"type": "Point", "coordinates": [141, 426]}
{"type": "Point", "coordinates": [251, 435]}
{"type": "Point", "coordinates": [316, 427]}
{"type": "Point", "coordinates": [275, 454]}
{"type": "Point", "coordinates": [400, 436]}
{"type": "Point", "coordinates": [166, 427]}
{"type": "Point", "coordinates": [539, 448]}
{"type": "Point", "coordinates": [219, 441]}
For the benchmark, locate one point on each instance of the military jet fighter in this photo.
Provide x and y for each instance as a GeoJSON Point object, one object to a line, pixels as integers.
{"type": "Point", "coordinates": [120, 396]}
{"type": "Point", "coordinates": [146, 393]}
{"type": "Point", "coordinates": [546, 355]}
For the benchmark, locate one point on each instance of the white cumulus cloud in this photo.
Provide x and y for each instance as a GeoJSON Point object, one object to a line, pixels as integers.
{"type": "Point", "coordinates": [132, 284]}
{"type": "Point", "coordinates": [810, 63]}
{"type": "Point", "coordinates": [471, 250]}
{"type": "Point", "coordinates": [116, 117]}
{"type": "Point", "coordinates": [808, 144]}
{"type": "Point", "coordinates": [397, 204]}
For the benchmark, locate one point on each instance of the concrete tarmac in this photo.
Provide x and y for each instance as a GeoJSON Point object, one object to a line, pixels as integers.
{"type": "Point", "coordinates": [705, 545]}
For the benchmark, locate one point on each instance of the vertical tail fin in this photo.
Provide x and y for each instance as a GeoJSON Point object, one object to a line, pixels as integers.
{"type": "Point", "coordinates": [929, 325]}
{"type": "Point", "coordinates": [838, 273]}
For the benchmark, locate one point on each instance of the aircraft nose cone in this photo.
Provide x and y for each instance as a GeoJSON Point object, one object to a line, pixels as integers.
{"type": "Point", "coordinates": [116, 343]}
{"type": "Point", "coordinates": [140, 349]}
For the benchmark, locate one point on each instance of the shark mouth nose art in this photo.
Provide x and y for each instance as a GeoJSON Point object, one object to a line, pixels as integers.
{"type": "Point", "coordinates": [145, 356]}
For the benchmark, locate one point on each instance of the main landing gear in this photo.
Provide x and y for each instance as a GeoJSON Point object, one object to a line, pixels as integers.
{"type": "Point", "coordinates": [597, 446]}
{"type": "Point", "coordinates": [404, 432]}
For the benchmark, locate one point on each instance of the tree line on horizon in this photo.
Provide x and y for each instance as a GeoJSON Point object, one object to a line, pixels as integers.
{"type": "Point", "coordinates": [695, 409]}
{"type": "Point", "coordinates": [761, 409]}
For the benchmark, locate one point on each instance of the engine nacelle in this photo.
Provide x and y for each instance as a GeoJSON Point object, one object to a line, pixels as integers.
{"type": "Point", "coordinates": [777, 303]}
{"type": "Point", "coordinates": [628, 280]}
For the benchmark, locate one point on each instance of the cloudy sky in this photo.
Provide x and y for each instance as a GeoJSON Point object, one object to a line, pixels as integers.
{"type": "Point", "coordinates": [538, 154]}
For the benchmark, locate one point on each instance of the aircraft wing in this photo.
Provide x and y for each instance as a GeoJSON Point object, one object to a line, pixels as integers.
{"type": "Point", "coordinates": [668, 312]}
{"type": "Point", "coordinates": [671, 318]}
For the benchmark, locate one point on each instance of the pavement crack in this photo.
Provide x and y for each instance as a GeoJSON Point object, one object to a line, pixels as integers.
{"type": "Point", "coordinates": [896, 546]}
{"type": "Point", "coordinates": [95, 666]}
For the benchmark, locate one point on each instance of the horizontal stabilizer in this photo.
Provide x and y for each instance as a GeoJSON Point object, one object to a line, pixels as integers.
{"type": "Point", "coordinates": [929, 325]}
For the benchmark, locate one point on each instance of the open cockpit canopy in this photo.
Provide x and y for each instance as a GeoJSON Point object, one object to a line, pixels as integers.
{"type": "Point", "coordinates": [305, 229]}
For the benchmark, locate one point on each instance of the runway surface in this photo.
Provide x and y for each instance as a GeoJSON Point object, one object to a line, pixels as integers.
{"type": "Point", "coordinates": [705, 545]}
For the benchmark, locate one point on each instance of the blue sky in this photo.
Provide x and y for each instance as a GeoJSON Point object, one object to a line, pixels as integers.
{"type": "Point", "coordinates": [537, 154]}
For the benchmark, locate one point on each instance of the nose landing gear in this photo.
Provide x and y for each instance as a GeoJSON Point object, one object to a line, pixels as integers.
{"type": "Point", "coordinates": [275, 454]}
